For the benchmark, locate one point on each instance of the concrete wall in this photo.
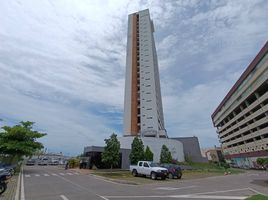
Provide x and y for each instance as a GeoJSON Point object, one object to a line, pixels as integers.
{"type": "Point", "coordinates": [155, 144]}
{"type": "Point", "coordinates": [191, 148]}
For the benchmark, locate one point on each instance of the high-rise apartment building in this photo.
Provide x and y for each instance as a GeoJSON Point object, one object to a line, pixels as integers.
{"type": "Point", "coordinates": [242, 116]}
{"type": "Point", "coordinates": [143, 112]}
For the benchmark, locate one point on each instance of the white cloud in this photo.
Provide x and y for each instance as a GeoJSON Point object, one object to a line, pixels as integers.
{"type": "Point", "coordinates": [62, 63]}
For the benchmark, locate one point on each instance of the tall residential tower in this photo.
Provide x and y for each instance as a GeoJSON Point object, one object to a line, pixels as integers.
{"type": "Point", "coordinates": [143, 113]}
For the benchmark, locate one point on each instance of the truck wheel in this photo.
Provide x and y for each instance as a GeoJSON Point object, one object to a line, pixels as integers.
{"type": "Point", "coordinates": [170, 176]}
{"type": "Point", "coordinates": [153, 175]}
{"type": "Point", "coordinates": [134, 172]}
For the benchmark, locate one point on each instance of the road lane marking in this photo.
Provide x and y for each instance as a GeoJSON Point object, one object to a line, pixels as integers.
{"type": "Point", "coordinates": [189, 196]}
{"type": "Point", "coordinates": [46, 175]}
{"type": "Point", "coordinates": [64, 197]}
{"type": "Point", "coordinates": [76, 173]}
{"type": "Point", "coordinates": [37, 175]}
{"type": "Point", "coordinates": [103, 197]}
{"type": "Point", "coordinates": [22, 197]}
{"type": "Point", "coordinates": [69, 173]}
{"type": "Point", "coordinates": [54, 174]}
{"type": "Point", "coordinates": [79, 186]}
{"type": "Point", "coordinates": [109, 181]}
{"type": "Point", "coordinates": [221, 191]}
{"type": "Point", "coordinates": [173, 188]}
{"type": "Point", "coordinates": [61, 174]}
{"type": "Point", "coordinates": [253, 190]}
{"type": "Point", "coordinates": [27, 175]}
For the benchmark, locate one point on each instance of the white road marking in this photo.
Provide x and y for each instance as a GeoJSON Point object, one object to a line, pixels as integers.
{"type": "Point", "coordinates": [221, 191]}
{"type": "Point", "coordinates": [76, 173]}
{"type": "Point", "coordinates": [22, 197]}
{"type": "Point", "coordinates": [103, 197]}
{"type": "Point", "coordinates": [54, 174]}
{"type": "Point", "coordinates": [80, 187]}
{"type": "Point", "coordinates": [61, 174]}
{"type": "Point", "coordinates": [108, 181]}
{"type": "Point", "coordinates": [253, 190]}
{"type": "Point", "coordinates": [27, 175]}
{"type": "Point", "coordinates": [46, 175]}
{"type": "Point", "coordinates": [190, 196]}
{"type": "Point", "coordinates": [69, 173]}
{"type": "Point", "coordinates": [210, 197]}
{"type": "Point", "coordinates": [37, 175]}
{"type": "Point", "coordinates": [172, 188]}
{"type": "Point", "coordinates": [64, 197]}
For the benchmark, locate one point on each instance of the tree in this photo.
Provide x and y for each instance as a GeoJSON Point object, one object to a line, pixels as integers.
{"type": "Point", "coordinates": [165, 156]}
{"type": "Point", "coordinates": [111, 154]}
{"type": "Point", "coordinates": [19, 140]}
{"type": "Point", "coordinates": [148, 154]}
{"type": "Point", "coordinates": [262, 161]}
{"type": "Point", "coordinates": [137, 151]}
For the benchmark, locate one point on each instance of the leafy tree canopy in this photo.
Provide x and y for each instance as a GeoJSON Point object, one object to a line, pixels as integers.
{"type": "Point", "coordinates": [148, 154]}
{"type": "Point", "coordinates": [20, 140]}
{"type": "Point", "coordinates": [137, 151]}
{"type": "Point", "coordinates": [111, 154]}
{"type": "Point", "coordinates": [165, 156]}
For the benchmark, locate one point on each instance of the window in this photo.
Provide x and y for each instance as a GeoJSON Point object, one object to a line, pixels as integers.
{"type": "Point", "coordinates": [140, 164]}
{"type": "Point", "coordinates": [145, 165]}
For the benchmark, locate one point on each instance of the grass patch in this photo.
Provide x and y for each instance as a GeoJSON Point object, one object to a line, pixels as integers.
{"type": "Point", "coordinates": [200, 170]}
{"type": "Point", "coordinates": [213, 168]}
{"type": "Point", "coordinates": [258, 197]}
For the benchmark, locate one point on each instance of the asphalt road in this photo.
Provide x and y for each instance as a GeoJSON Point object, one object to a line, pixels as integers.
{"type": "Point", "coordinates": [53, 183]}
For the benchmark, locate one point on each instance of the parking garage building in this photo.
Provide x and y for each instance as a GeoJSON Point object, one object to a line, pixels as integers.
{"type": "Point", "coordinates": [241, 118]}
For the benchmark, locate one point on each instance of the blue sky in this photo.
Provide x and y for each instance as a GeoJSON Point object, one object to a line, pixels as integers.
{"type": "Point", "coordinates": [62, 64]}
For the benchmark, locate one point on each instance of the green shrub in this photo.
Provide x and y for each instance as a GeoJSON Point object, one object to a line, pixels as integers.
{"type": "Point", "coordinates": [73, 163]}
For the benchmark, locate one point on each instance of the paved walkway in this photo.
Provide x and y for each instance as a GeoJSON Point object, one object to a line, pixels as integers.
{"type": "Point", "coordinates": [9, 194]}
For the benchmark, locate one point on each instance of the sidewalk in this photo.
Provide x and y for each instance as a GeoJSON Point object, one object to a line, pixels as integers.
{"type": "Point", "coordinates": [9, 194]}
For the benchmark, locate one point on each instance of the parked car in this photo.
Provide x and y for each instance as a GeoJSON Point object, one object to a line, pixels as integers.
{"type": "Point", "coordinates": [4, 176]}
{"type": "Point", "coordinates": [174, 171]}
{"type": "Point", "coordinates": [30, 162]}
{"type": "Point", "coordinates": [8, 168]}
{"type": "Point", "coordinates": [147, 168]}
{"type": "Point", "coordinates": [53, 161]}
{"type": "Point", "coordinates": [43, 161]}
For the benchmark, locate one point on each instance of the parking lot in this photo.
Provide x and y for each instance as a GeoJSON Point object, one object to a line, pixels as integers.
{"type": "Point", "coordinates": [51, 182]}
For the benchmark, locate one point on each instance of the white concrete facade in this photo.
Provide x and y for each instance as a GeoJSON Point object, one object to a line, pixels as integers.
{"type": "Point", "coordinates": [155, 144]}
{"type": "Point", "coordinates": [141, 47]}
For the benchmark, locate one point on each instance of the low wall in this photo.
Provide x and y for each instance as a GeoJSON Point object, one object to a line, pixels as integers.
{"type": "Point", "coordinates": [155, 144]}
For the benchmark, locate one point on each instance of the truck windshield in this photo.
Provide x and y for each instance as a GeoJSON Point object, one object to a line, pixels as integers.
{"type": "Point", "coordinates": [154, 165]}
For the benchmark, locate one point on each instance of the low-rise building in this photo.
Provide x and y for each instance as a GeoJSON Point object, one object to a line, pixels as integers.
{"type": "Point", "coordinates": [191, 149]}
{"type": "Point", "coordinates": [213, 154]}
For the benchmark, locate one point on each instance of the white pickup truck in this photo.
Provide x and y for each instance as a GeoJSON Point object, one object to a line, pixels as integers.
{"type": "Point", "coordinates": [148, 168]}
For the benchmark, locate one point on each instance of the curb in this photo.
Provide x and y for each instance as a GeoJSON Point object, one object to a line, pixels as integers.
{"type": "Point", "coordinates": [17, 196]}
